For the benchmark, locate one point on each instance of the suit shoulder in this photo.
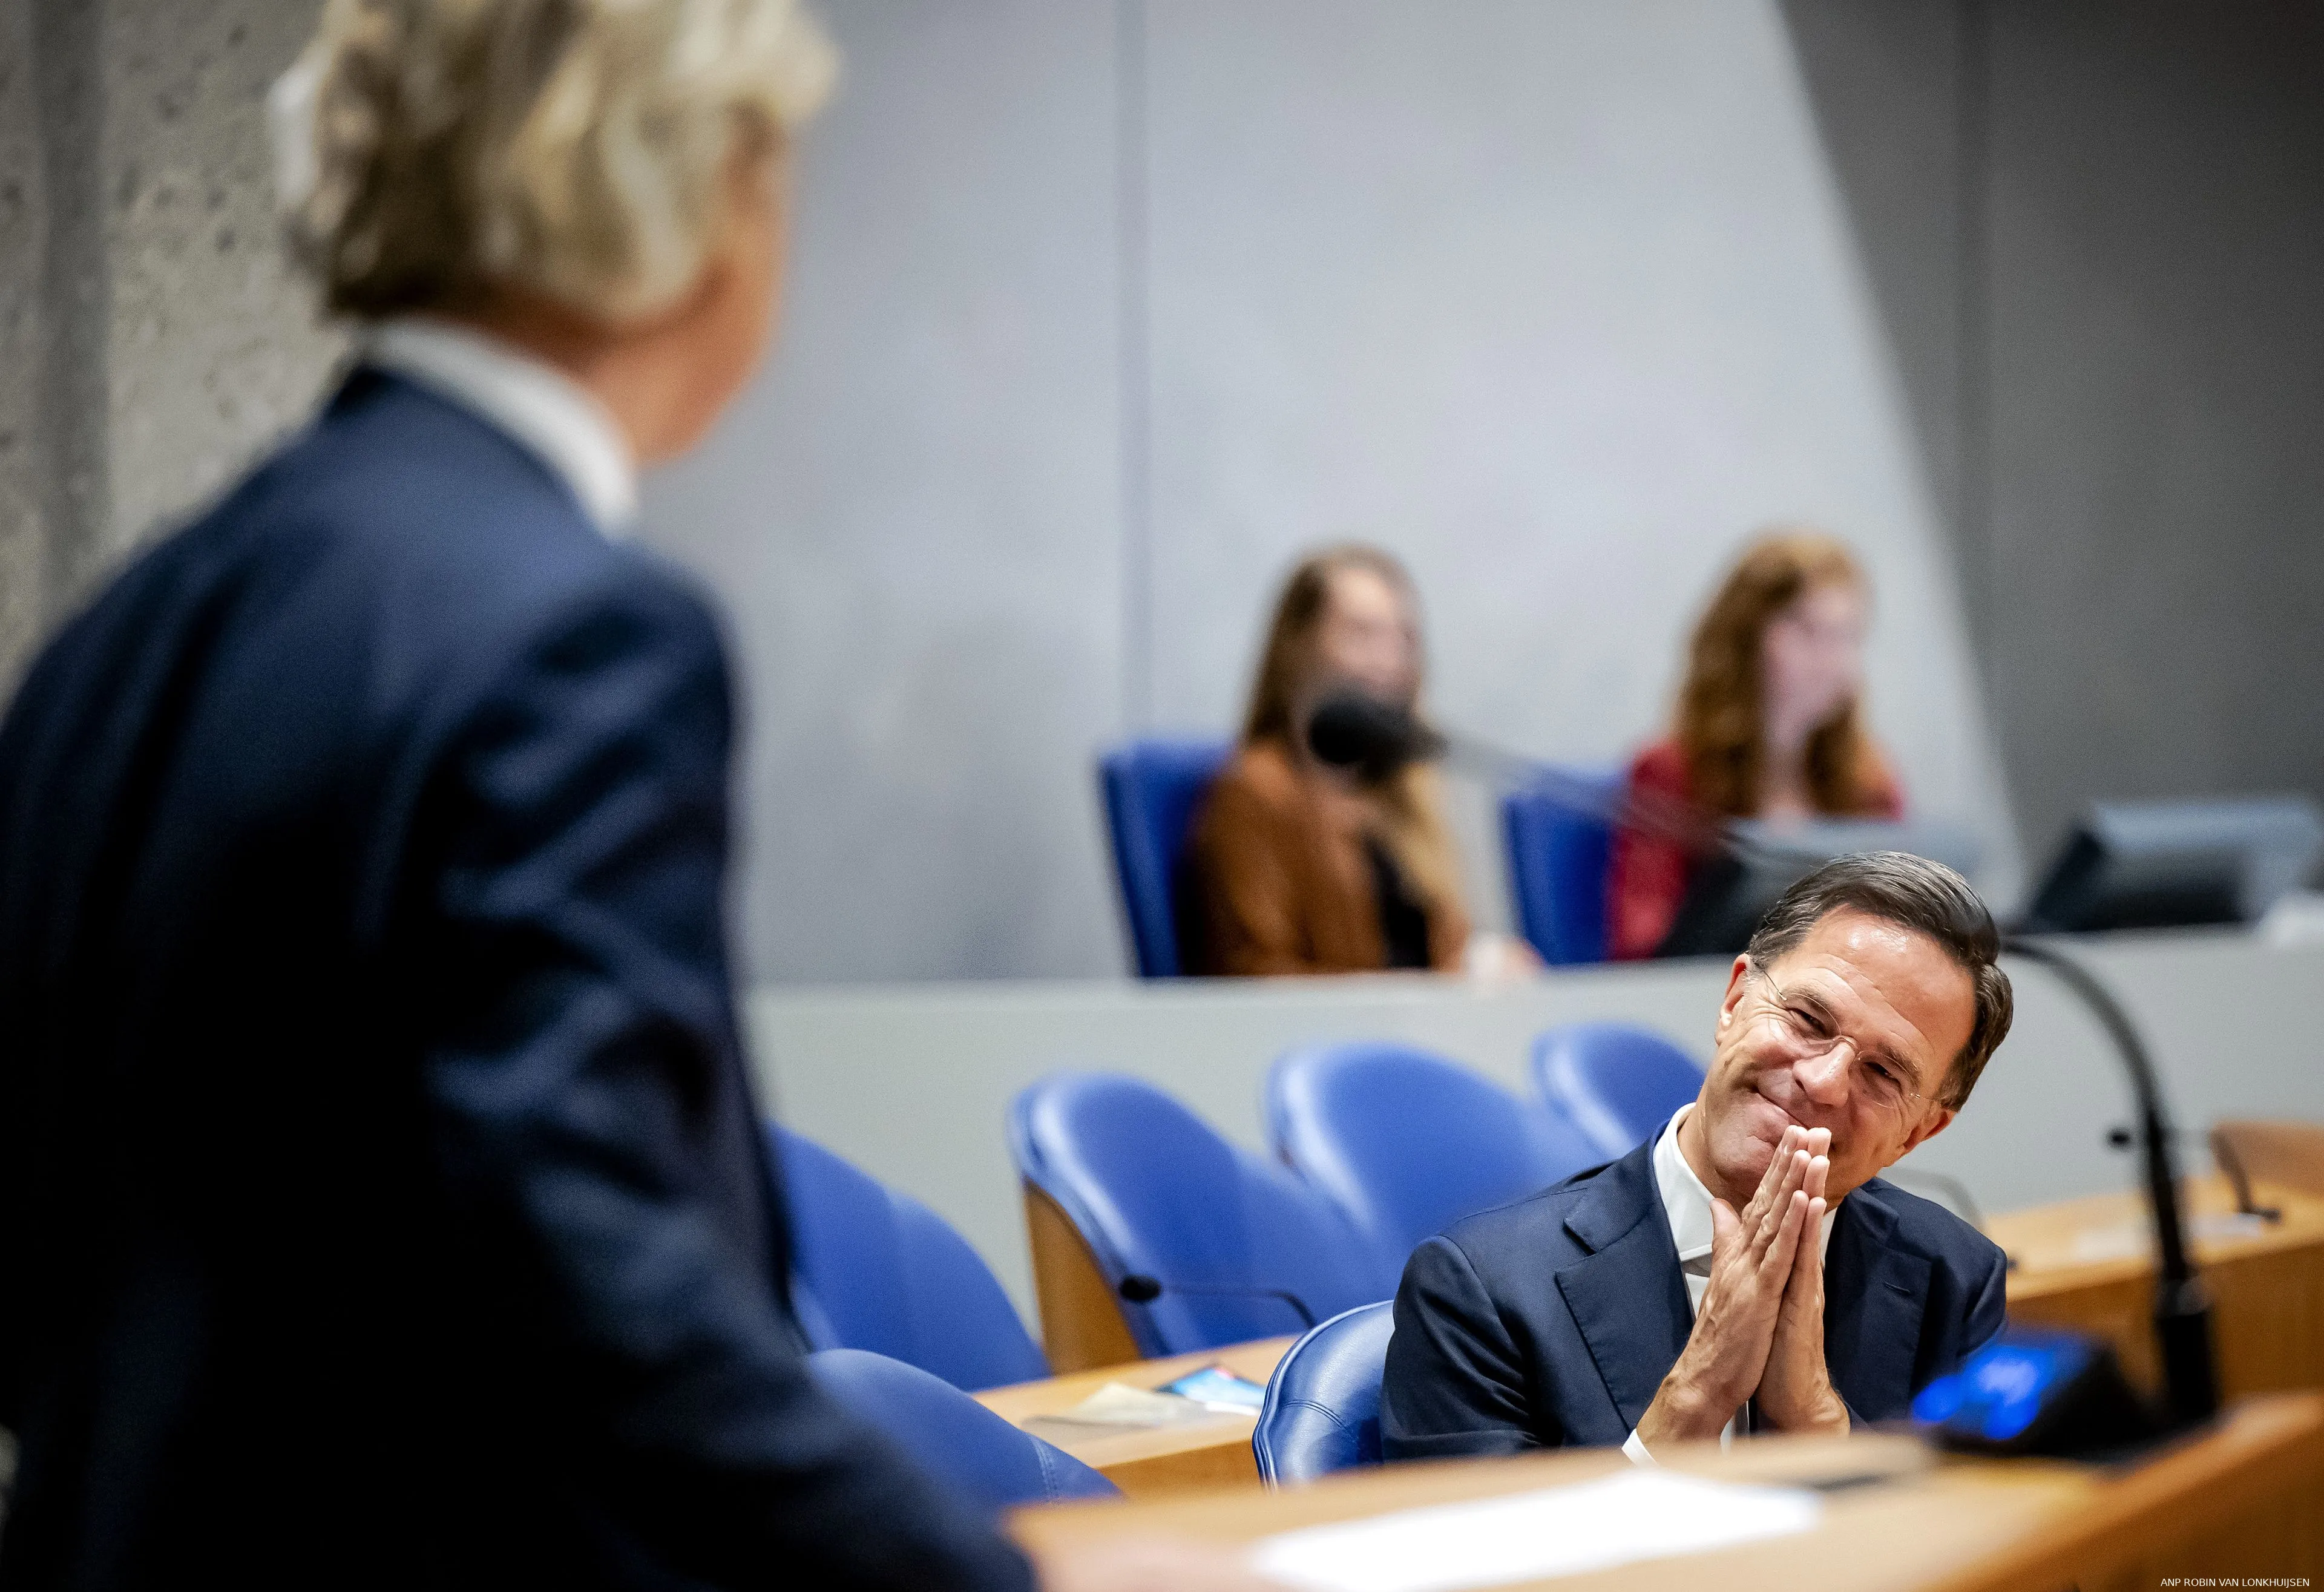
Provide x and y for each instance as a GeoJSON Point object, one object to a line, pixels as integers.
{"type": "Point", "coordinates": [1533, 1225]}
{"type": "Point", "coordinates": [420, 513]}
{"type": "Point", "coordinates": [1928, 1227]}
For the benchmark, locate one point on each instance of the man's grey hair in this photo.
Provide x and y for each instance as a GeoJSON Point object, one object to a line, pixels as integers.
{"type": "Point", "coordinates": [1927, 897]}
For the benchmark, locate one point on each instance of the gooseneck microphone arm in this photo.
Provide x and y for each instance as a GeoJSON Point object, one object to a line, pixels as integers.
{"type": "Point", "coordinates": [2182, 1305]}
{"type": "Point", "coordinates": [1140, 1289]}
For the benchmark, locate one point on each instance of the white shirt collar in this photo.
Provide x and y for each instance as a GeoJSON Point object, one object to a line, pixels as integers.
{"type": "Point", "coordinates": [1687, 1203]}
{"type": "Point", "coordinates": [545, 411]}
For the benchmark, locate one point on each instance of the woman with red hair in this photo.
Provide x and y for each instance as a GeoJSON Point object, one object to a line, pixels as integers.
{"type": "Point", "coordinates": [1769, 724]}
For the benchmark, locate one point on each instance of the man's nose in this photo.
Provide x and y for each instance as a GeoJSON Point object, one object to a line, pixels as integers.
{"type": "Point", "coordinates": [1825, 1078]}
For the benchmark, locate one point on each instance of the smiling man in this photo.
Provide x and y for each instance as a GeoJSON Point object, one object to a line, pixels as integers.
{"type": "Point", "coordinates": [1745, 1269]}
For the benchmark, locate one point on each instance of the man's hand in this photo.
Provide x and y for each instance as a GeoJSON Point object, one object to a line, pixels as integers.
{"type": "Point", "coordinates": [1795, 1392]}
{"type": "Point", "coordinates": [1752, 1258]}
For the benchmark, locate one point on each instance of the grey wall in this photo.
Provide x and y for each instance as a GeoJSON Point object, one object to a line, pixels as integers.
{"type": "Point", "coordinates": [152, 338]}
{"type": "Point", "coordinates": [1098, 316]}
{"type": "Point", "coordinates": [2095, 231]}
{"type": "Point", "coordinates": [1102, 311]}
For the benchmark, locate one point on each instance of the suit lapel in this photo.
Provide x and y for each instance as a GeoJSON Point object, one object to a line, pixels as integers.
{"type": "Point", "coordinates": [1626, 1298]}
{"type": "Point", "coordinates": [1874, 1294]}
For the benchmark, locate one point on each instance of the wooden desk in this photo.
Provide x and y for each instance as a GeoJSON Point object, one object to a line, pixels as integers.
{"type": "Point", "coordinates": [1168, 1459]}
{"type": "Point", "coordinates": [2090, 1265]}
{"type": "Point", "coordinates": [2245, 1499]}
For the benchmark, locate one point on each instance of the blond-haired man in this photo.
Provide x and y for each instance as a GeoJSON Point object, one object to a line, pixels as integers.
{"type": "Point", "coordinates": [382, 1198]}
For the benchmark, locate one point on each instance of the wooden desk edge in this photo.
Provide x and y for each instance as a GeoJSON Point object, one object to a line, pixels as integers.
{"type": "Point", "coordinates": [2196, 1475]}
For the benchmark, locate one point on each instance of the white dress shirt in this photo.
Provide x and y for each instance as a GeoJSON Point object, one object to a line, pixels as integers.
{"type": "Point", "coordinates": [540, 407]}
{"type": "Point", "coordinates": [1687, 1203]}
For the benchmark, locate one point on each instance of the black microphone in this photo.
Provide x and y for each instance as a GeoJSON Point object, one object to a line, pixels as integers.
{"type": "Point", "coordinates": [2182, 1305]}
{"type": "Point", "coordinates": [1140, 1289]}
{"type": "Point", "coordinates": [1356, 730]}
{"type": "Point", "coordinates": [1353, 729]}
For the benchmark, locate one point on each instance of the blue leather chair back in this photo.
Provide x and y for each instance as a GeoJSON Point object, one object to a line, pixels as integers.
{"type": "Point", "coordinates": [1322, 1413]}
{"type": "Point", "coordinates": [982, 1457]}
{"type": "Point", "coordinates": [1559, 855]}
{"type": "Point", "coordinates": [875, 1269]}
{"type": "Point", "coordinates": [1407, 1143]}
{"type": "Point", "coordinates": [1152, 789]}
{"type": "Point", "coordinates": [1616, 1082]}
{"type": "Point", "coordinates": [1154, 1192]}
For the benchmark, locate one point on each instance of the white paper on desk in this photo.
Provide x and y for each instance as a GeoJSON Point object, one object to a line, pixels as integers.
{"type": "Point", "coordinates": [1119, 1404]}
{"type": "Point", "coordinates": [1556, 1532]}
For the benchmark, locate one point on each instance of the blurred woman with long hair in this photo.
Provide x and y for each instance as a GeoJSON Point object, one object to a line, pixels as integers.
{"type": "Point", "coordinates": [1769, 726]}
{"type": "Point", "coordinates": [1297, 868]}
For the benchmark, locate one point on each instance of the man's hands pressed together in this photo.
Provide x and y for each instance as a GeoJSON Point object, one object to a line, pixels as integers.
{"type": "Point", "coordinates": [1760, 1327]}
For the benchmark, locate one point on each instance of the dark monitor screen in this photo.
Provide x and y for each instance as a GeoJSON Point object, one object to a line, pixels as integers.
{"type": "Point", "coordinates": [2139, 865]}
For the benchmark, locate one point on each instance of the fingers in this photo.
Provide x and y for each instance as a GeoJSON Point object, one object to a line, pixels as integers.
{"type": "Point", "coordinates": [1807, 1259]}
{"type": "Point", "coordinates": [1764, 1198]}
{"type": "Point", "coordinates": [1724, 1223]}
{"type": "Point", "coordinates": [1776, 1260]}
{"type": "Point", "coordinates": [1794, 1164]}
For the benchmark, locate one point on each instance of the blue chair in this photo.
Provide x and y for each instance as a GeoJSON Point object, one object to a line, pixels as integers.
{"type": "Point", "coordinates": [990, 1463]}
{"type": "Point", "coordinates": [1321, 1412]}
{"type": "Point", "coordinates": [1152, 789]}
{"type": "Point", "coordinates": [1559, 853]}
{"type": "Point", "coordinates": [877, 1270]}
{"type": "Point", "coordinates": [1407, 1143]}
{"type": "Point", "coordinates": [1614, 1082]}
{"type": "Point", "coordinates": [1154, 1193]}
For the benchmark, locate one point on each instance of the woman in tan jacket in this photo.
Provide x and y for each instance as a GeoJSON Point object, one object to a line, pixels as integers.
{"type": "Point", "coordinates": [1297, 868]}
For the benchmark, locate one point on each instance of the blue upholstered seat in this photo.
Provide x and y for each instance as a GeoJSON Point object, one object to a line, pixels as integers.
{"type": "Point", "coordinates": [1154, 1193]}
{"type": "Point", "coordinates": [980, 1456]}
{"type": "Point", "coordinates": [1152, 789]}
{"type": "Point", "coordinates": [1559, 852]}
{"type": "Point", "coordinates": [1406, 1143]}
{"type": "Point", "coordinates": [1322, 1413]}
{"type": "Point", "coordinates": [877, 1270]}
{"type": "Point", "coordinates": [1616, 1082]}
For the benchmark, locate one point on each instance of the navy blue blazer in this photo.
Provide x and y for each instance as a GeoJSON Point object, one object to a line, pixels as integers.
{"type": "Point", "coordinates": [382, 1198]}
{"type": "Point", "coordinates": [1554, 1321]}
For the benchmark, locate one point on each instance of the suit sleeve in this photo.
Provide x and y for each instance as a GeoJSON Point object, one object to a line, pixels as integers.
{"type": "Point", "coordinates": [1454, 1385]}
{"type": "Point", "coordinates": [1988, 1309]}
{"type": "Point", "coordinates": [593, 1129]}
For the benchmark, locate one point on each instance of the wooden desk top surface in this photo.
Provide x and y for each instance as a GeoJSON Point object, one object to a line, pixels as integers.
{"type": "Point", "coordinates": [1110, 1450]}
{"type": "Point", "coordinates": [1932, 1522]}
{"type": "Point", "coordinates": [2106, 1238]}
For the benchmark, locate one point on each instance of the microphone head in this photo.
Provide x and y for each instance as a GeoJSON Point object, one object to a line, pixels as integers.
{"type": "Point", "coordinates": [1139, 1289]}
{"type": "Point", "coordinates": [1356, 730]}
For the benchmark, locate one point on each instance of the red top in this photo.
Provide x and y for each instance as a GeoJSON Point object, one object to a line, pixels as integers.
{"type": "Point", "coordinates": [1646, 882]}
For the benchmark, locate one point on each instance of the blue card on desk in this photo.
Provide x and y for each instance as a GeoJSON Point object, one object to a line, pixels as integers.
{"type": "Point", "coordinates": [1220, 1388]}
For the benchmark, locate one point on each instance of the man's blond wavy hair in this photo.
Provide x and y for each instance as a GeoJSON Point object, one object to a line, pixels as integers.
{"type": "Point", "coordinates": [577, 149]}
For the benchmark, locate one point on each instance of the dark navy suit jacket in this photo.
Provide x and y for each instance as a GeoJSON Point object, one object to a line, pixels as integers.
{"type": "Point", "coordinates": [382, 1198]}
{"type": "Point", "coordinates": [1554, 1321]}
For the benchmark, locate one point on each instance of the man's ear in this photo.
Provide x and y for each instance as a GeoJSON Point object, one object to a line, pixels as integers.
{"type": "Point", "coordinates": [1941, 1119]}
{"type": "Point", "coordinates": [1736, 977]}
